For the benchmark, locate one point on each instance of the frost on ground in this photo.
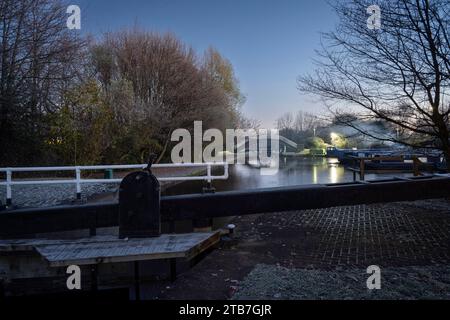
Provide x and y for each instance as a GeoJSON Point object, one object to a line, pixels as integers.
{"type": "Point", "coordinates": [405, 283]}
{"type": "Point", "coordinates": [54, 194]}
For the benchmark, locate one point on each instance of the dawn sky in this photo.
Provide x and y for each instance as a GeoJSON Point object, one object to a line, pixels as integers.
{"type": "Point", "coordinates": [269, 42]}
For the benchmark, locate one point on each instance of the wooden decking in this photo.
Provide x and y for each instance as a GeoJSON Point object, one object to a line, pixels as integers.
{"type": "Point", "coordinates": [110, 249]}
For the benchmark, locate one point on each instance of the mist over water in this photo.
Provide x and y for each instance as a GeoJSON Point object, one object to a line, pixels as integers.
{"type": "Point", "coordinates": [293, 171]}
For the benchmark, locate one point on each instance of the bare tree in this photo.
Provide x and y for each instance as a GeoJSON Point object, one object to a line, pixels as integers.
{"type": "Point", "coordinates": [306, 121]}
{"type": "Point", "coordinates": [171, 87]}
{"type": "Point", "coordinates": [248, 123]}
{"type": "Point", "coordinates": [300, 122]}
{"type": "Point", "coordinates": [38, 55]}
{"type": "Point", "coordinates": [286, 121]}
{"type": "Point", "coordinates": [220, 70]}
{"type": "Point", "coordinates": [399, 74]}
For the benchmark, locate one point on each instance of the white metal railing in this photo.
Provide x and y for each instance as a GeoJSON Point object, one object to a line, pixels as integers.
{"type": "Point", "coordinates": [78, 181]}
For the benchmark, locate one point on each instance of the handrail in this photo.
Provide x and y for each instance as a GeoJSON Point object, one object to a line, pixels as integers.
{"type": "Point", "coordinates": [361, 167]}
{"type": "Point", "coordinates": [78, 181]}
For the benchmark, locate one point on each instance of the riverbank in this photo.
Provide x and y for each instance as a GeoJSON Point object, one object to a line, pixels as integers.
{"type": "Point", "coordinates": [324, 254]}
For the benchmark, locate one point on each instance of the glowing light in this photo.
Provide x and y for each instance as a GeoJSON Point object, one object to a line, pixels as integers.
{"type": "Point", "coordinates": [334, 174]}
{"type": "Point", "coordinates": [314, 175]}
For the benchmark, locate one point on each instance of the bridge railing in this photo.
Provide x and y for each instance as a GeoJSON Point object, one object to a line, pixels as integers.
{"type": "Point", "coordinates": [78, 181]}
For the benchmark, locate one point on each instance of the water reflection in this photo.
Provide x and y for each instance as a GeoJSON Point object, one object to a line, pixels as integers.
{"type": "Point", "coordinates": [293, 171]}
{"type": "Point", "coordinates": [334, 175]}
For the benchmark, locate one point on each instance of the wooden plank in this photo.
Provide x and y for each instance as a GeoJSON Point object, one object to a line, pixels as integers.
{"type": "Point", "coordinates": [378, 170]}
{"type": "Point", "coordinates": [164, 247]}
{"type": "Point", "coordinates": [403, 178]}
{"type": "Point", "coordinates": [30, 244]}
{"type": "Point", "coordinates": [194, 251]}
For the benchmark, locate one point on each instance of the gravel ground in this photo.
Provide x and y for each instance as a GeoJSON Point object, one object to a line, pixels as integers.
{"type": "Point", "coordinates": [50, 195]}
{"type": "Point", "coordinates": [275, 282]}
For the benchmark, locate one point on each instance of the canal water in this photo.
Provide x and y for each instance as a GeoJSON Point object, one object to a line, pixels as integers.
{"type": "Point", "coordinates": [293, 171]}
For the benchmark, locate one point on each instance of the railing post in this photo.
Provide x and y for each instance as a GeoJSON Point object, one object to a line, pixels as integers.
{"type": "Point", "coordinates": [362, 169]}
{"type": "Point", "coordinates": [108, 174]}
{"type": "Point", "coordinates": [225, 169]}
{"type": "Point", "coordinates": [208, 172]}
{"type": "Point", "coordinates": [205, 225]}
{"type": "Point", "coordinates": [78, 178]}
{"type": "Point", "coordinates": [209, 188]}
{"type": "Point", "coordinates": [416, 166]}
{"type": "Point", "coordinates": [8, 187]}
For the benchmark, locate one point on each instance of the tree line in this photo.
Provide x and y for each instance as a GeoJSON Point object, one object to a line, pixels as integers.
{"type": "Point", "coordinates": [71, 100]}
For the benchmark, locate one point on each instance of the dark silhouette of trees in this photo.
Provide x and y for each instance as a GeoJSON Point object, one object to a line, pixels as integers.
{"type": "Point", "coordinates": [38, 60]}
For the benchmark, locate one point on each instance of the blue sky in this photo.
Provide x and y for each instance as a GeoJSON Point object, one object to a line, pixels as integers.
{"type": "Point", "coordinates": [269, 42]}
